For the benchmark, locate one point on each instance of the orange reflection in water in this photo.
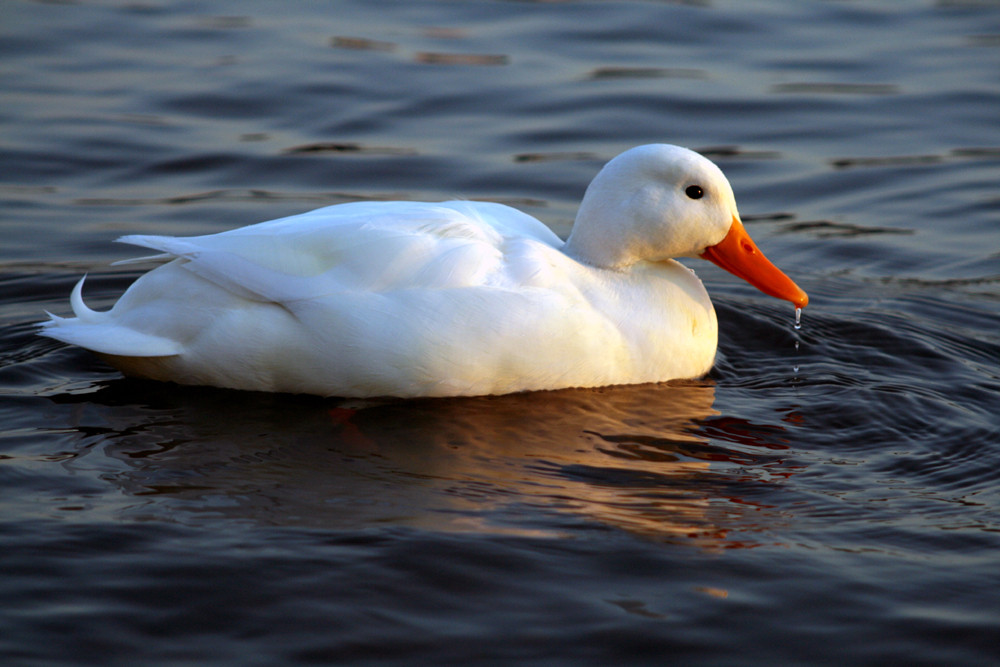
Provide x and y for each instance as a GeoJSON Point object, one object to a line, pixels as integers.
{"type": "Point", "coordinates": [636, 458]}
{"type": "Point", "coordinates": [653, 460]}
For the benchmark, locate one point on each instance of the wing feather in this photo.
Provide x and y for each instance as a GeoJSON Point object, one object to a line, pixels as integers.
{"type": "Point", "coordinates": [369, 246]}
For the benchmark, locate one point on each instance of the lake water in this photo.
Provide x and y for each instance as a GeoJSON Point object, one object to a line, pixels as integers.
{"type": "Point", "coordinates": [825, 496]}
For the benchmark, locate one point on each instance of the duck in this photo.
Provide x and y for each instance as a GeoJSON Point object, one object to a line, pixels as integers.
{"type": "Point", "coordinates": [412, 299]}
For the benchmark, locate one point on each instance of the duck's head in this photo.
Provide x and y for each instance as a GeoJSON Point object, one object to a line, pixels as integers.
{"type": "Point", "coordinates": [657, 202]}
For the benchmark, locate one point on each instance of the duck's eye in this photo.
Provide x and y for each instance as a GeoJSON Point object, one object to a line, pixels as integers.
{"type": "Point", "coordinates": [694, 192]}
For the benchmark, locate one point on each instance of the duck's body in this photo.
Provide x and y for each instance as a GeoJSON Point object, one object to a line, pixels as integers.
{"type": "Point", "coordinates": [414, 299]}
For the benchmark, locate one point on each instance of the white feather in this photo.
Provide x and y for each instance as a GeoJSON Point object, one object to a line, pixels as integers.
{"type": "Point", "coordinates": [417, 299]}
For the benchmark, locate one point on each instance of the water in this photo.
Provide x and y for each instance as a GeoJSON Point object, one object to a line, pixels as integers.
{"type": "Point", "coordinates": [846, 512]}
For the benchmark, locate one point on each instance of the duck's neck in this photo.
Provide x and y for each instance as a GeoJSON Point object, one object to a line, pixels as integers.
{"type": "Point", "coordinates": [611, 230]}
{"type": "Point", "coordinates": [594, 249]}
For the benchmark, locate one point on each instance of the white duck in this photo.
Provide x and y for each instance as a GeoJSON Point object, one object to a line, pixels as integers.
{"type": "Point", "coordinates": [456, 298]}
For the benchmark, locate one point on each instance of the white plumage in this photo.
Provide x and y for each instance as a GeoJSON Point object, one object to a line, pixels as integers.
{"type": "Point", "coordinates": [433, 299]}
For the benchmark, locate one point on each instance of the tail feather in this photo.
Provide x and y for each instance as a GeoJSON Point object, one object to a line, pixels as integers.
{"type": "Point", "coordinates": [98, 331]}
{"type": "Point", "coordinates": [80, 309]}
{"type": "Point", "coordinates": [142, 260]}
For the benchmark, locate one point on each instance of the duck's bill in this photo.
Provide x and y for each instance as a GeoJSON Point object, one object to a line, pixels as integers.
{"type": "Point", "coordinates": [738, 254]}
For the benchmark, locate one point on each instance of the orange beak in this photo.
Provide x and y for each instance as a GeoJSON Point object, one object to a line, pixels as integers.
{"type": "Point", "coordinates": [738, 254]}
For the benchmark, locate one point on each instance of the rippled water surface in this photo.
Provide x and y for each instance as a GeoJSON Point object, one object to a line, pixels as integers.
{"type": "Point", "coordinates": [826, 496]}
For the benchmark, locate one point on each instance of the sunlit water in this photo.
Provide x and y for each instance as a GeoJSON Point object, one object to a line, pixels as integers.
{"type": "Point", "coordinates": [828, 495]}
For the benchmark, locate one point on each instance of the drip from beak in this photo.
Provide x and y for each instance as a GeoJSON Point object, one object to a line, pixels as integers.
{"type": "Point", "coordinates": [738, 254]}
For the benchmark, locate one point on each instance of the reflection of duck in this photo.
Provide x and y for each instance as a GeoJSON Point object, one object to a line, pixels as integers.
{"type": "Point", "coordinates": [458, 298]}
{"type": "Point", "coordinates": [652, 460]}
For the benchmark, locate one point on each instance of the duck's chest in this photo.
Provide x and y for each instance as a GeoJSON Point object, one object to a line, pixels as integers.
{"type": "Point", "coordinates": [662, 320]}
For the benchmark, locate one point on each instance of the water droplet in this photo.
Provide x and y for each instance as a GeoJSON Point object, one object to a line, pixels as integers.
{"type": "Point", "coordinates": [798, 327]}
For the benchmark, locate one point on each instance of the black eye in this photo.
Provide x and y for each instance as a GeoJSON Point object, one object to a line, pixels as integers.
{"type": "Point", "coordinates": [694, 192]}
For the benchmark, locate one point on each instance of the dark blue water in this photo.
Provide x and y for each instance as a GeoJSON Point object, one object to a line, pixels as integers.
{"type": "Point", "coordinates": [834, 502]}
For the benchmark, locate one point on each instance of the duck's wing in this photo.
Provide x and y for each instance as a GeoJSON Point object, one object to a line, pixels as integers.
{"type": "Point", "coordinates": [363, 246]}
